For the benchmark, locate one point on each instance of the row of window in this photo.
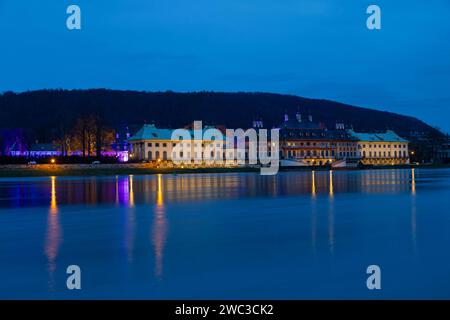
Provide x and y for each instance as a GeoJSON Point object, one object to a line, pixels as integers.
{"type": "Point", "coordinates": [164, 144]}
{"type": "Point", "coordinates": [306, 134]}
{"type": "Point", "coordinates": [309, 153]}
{"type": "Point", "coordinates": [384, 154]}
{"type": "Point", "coordinates": [180, 155]}
{"type": "Point", "coordinates": [322, 153]}
{"type": "Point", "coordinates": [293, 144]}
{"type": "Point", "coordinates": [348, 144]}
{"type": "Point", "coordinates": [384, 146]}
{"type": "Point", "coordinates": [347, 154]}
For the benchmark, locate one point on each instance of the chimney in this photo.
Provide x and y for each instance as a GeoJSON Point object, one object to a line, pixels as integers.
{"type": "Point", "coordinates": [258, 123]}
{"type": "Point", "coordinates": [197, 125]}
{"type": "Point", "coordinates": [340, 125]}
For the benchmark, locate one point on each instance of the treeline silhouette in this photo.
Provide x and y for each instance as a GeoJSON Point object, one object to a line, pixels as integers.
{"type": "Point", "coordinates": [48, 115]}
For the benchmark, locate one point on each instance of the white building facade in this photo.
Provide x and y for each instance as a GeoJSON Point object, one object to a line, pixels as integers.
{"type": "Point", "coordinates": [154, 145]}
{"type": "Point", "coordinates": [386, 148]}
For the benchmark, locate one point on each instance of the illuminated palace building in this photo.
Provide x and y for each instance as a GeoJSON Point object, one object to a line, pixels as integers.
{"type": "Point", "coordinates": [304, 142]}
{"type": "Point", "coordinates": [152, 144]}
{"type": "Point", "coordinates": [382, 148]}
{"type": "Point", "coordinates": [308, 143]}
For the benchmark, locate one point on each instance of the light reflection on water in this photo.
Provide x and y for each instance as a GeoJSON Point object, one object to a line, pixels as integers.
{"type": "Point", "coordinates": [129, 190]}
{"type": "Point", "coordinates": [204, 204]}
{"type": "Point", "coordinates": [159, 229]}
{"type": "Point", "coordinates": [53, 237]}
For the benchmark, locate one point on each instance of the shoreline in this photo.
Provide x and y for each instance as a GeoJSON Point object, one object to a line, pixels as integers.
{"type": "Point", "coordinates": [46, 170]}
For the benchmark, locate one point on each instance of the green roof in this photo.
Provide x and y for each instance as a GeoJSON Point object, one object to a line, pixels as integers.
{"type": "Point", "coordinates": [388, 136]}
{"type": "Point", "coordinates": [151, 132]}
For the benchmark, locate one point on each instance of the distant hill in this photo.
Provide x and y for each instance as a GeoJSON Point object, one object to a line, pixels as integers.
{"type": "Point", "coordinates": [46, 113]}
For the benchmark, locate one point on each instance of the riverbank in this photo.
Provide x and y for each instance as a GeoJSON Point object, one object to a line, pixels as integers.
{"type": "Point", "coordinates": [44, 170]}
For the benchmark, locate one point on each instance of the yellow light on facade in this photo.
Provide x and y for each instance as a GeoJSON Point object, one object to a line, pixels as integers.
{"type": "Point", "coordinates": [52, 160]}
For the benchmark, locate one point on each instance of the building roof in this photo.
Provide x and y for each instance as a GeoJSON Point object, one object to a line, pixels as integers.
{"type": "Point", "coordinates": [388, 136]}
{"type": "Point", "coordinates": [151, 132]}
{"type": "Point", "coordinates": [315, 134]}
{"type": "Point", "coordinates": [304, 129]}
{"type": "Point", "coordinates": [293, 123]}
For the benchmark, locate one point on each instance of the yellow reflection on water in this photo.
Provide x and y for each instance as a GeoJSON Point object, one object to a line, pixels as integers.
{"type": "Point", "coordinates": [53, 235]}
{"type": "Point", "coordinates": [159, 228]}
{"type": "Point", "coordinates": [159, 193]}
{"type": "Point", "coordinates": [53, 204]}
{"type": "Point", "coordinates": [130, 191]}
{"type": "Point", "coordinates": [331, 184]}
{"type": "Point", "coordinates": [313, 183]}
{"type": "Point", "coordinates": [313, 212]}
{"type": "Point", "coordinates": [413, 182]}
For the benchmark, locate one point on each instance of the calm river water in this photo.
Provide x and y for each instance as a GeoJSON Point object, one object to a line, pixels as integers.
{"type": "Point", "coordinates": [228, 236]}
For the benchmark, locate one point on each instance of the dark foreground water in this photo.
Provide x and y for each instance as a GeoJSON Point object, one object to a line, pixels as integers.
{"type": "Point", "coordinates": [294, 235]}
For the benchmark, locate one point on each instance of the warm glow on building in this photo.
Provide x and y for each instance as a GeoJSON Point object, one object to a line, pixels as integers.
{"type": "Point", "coordinates": [382, 148]}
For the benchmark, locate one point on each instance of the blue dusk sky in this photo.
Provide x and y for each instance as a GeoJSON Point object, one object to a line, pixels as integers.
{"type": "Point", "coordinates": [311, 48]}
